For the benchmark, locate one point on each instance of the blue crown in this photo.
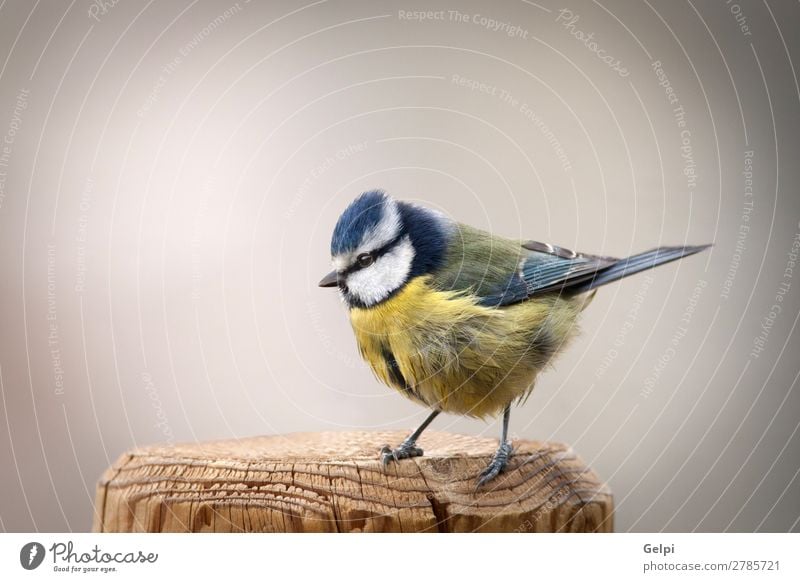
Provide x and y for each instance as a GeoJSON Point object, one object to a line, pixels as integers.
{"type": "Point", "coordinates": [363, 214]}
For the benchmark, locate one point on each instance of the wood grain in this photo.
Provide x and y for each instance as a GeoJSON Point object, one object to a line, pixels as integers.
{"type": "Point", "coordinates": [333, 482]}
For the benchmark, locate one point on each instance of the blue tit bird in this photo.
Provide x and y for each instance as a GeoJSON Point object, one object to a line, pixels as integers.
{"type": "Point", "coordinates": [457, 319]}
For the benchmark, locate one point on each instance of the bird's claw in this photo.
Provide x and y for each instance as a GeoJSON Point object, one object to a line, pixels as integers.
{"type": "Point", "coordinates": [498, 464]}
{"type": "Point", "coordinates": [404, 451]}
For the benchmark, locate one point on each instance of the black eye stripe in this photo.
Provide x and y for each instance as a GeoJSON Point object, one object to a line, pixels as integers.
{"type": "Point", "coordinates": [377, 253]}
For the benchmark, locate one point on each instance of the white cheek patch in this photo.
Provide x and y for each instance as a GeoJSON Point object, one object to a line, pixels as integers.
{"type": "Point", "coordinates": [389, 272]}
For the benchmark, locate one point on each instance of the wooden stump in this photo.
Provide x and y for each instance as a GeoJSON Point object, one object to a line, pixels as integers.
{"type": "Point", "coordinates": [333, 482]}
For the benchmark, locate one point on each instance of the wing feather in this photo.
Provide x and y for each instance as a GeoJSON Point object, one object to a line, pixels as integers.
{"type": "Point", "coordinates": [502, 272]}
{"type": "Point", "coordinates": [546, 268]}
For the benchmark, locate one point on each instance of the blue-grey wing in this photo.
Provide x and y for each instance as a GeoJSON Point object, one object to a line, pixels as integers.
{"type": "Point", "coordinates": [546, 268]}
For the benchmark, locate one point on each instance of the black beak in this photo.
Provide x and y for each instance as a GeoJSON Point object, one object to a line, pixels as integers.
{"type": "Point", "coordinates": [330, 280]}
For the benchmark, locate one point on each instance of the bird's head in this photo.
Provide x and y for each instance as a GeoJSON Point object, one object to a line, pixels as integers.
{"type": "Point", "coordinates": [379, 244]}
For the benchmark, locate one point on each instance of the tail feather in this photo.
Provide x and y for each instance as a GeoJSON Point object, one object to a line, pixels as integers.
{"type": "Point", "coordinates": [638, 263]}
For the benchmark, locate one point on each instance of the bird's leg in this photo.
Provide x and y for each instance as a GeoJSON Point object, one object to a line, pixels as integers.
{"type": "Point", "coordinates": [501, 456]}
{"type": "Point", "coordinates": [409, 447]}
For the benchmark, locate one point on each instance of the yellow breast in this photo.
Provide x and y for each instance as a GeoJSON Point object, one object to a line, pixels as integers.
{"type": "Point", "coordinates": [442, 349]}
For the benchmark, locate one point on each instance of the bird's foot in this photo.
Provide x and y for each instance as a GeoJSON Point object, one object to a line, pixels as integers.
{"type": "Point", "coordinates": [497, 465]}
{"type": "Point", "coordinates": [406, 450]}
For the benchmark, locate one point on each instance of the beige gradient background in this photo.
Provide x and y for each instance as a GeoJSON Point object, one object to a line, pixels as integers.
{"type": "Point", "coordinates": [171, 173]}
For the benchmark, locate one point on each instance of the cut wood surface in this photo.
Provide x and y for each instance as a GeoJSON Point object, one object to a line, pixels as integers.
{"type": "Point", "coordinates": [333, 482]}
